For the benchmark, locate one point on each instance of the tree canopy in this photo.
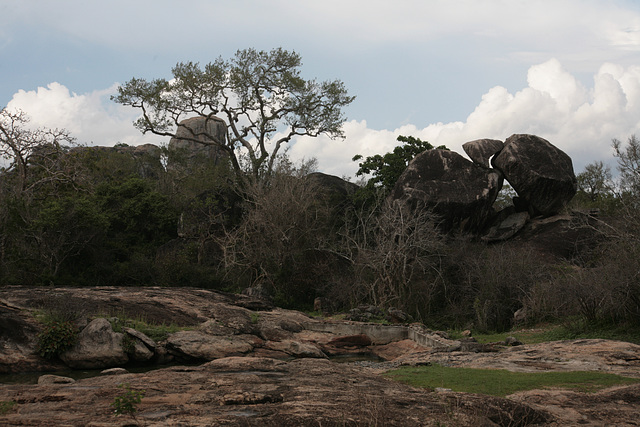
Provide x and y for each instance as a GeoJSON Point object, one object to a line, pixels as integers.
{"type": "Point", "coordinates": [386, 169]}
{"type": "Point", "coordinates": [261, 95]}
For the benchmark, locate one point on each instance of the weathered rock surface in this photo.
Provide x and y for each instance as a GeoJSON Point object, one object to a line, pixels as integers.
{"type": "Point", "coordinates": [98, 346]}
{"type": "Point", "coordinates": [308, 391]}
{"type": "Point", "coordinates": [201, 346]}
{"type": "Point", "coordinates": [539, 172]}
{"type": "Point", "coordinates": [507, 228]}
{"type": "Point", "coordinates": [459, 191]}
{"type": "Point", "coordinates": [480, 151]}
{"type": "Point", "coordinates": [18, 332]}
{"type": "Point", "coordinates": [616, 357]}
{"type": "Point", "coordinates": [260, 392]}
{"type": "Point", "coordinates": [54, 379]}
{"type": "Point", "coordinates": [196, 137]}
{"type": "Point", "coordinates": [561, 236]}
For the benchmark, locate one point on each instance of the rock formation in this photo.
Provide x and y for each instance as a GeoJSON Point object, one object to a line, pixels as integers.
{"type": "Point", "coordinates": [480, 151]}
{"type": "Point", "coordinates": [195, 137]}
{"type": "Point", "coordinates": [98, 346]}
{"type": "Point", "coordinates": [539, 172]}
{"type": "Point", "coordinates": [459, 191]}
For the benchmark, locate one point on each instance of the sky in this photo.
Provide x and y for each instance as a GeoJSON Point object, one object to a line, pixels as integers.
{"type": "Point", "coordinates": [448, 71]}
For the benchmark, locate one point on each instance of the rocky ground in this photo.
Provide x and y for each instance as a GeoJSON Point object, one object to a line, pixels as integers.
{"type": "Point", "coordinates": [273, 370]}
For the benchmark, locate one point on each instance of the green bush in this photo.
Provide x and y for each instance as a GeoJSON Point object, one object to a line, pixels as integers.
{"type": "Point", "coordinates": [56, 337]}
{"type": "Point", "coordinates": [127, 402]}
{"type": "Point", "coordinates": [6, 406]}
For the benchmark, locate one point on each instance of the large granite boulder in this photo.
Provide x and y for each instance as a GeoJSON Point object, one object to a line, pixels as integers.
{"type": "Point", "coordinates": [480, 151]}
{"type": "Point", "coordinates": [197, 138]}
{"type": "Point", "coordinates": [459, 191]}
{"type": "Point", "coordinates": [539, 172]}
{"type": "Point", "coordinates": [98, 346]}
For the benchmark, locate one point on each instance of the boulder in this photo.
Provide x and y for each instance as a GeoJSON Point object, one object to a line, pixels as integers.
{"type": "Point", "coordinates": [539, 172]}
{"type": "Point", "coordinates": [114, 371]}
{"type": "Point", "coordinates": [140, 337]}
{"type": "Point", "coordinates": [140, 352]}
{"type": "Point", "coordinates": [201, 346]}
{"type": "Point", "coordinates": [506, 228]}
{"type": "Point", "coordinates": [237, 318]}
{"type": "Point", "coordinates": [567, 237]}
{"type": "Point", "coordinates": [335, 188]}
{"type": "Point", "coordinates": [98, 346]}
{"type": "Point", "coordinates": [459, 191]}
{"type": "Point", "coordinates": [480, 151]}
{"type": "Point", "coordinates": [395, 315]}
{"type": "Point", "coordinates": [296, 348]}
{"type": "Point", "coordinates": [196, 138]}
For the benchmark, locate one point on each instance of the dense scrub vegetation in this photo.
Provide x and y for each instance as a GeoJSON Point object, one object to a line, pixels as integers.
{"type": "Point", "coordinates": [106, 217]}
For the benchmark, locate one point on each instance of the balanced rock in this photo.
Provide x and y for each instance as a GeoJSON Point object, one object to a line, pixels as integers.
{"type": "Point", "coordinates": [98, 346]}
{"type": "Point", "coordinates": [459, 191]}
{"type": "Point", "coordinates": [481, 150]}
{"type": "Point", "coordinates": [539, 172]}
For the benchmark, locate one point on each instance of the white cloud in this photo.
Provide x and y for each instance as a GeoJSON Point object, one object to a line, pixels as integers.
{"type": "Point", "coordinates": [91, 117]}
{"type": "Point", "coordinates": [580, 120]}
{"type": "Point", "coordinates": [554, 105]}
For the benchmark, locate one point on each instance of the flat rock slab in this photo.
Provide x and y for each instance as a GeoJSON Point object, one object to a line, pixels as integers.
{"type": "Point", "coordinates": [258, 392]}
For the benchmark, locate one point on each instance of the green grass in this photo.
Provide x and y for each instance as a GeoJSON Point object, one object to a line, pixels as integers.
{"type": "Point", "coordinates": [6, 406]}
{"type": "Point", "coordinates": [156, 332]}
{"type": "Point", "coordinates": [569, 330]}
{"type": "Point", "coordinates": [501, 382]}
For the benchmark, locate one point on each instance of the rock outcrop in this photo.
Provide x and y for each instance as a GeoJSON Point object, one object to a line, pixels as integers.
{"type": "Point", "coordinates": [18, 332]}
{"type": "Point", "coordinates": [459, 191]}
{"type": "Point", "coordinates": [251, 391]}
{"type": "Point", "coordinates": [197, 137]}
{"type": "Point", "coordinates": [539, 172]}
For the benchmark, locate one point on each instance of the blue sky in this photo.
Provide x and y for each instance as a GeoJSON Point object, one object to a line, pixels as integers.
{"type": "Point", "coordinates": [445, 71]}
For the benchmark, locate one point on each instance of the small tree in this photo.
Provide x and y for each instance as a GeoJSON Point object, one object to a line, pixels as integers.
{"type": "Point", "coordinates": [629, 164]}
{"type": "Point", "coordinates": [261, 95]}
{"type": "Point", "coordinates": [595, 181]}
{"type": "Point", "coordinates": [22, 146]}
{"type": "Point", "coordinates": [284, 227]}
{"type": "Point", "coordinates": [396, 253]}
{"type": "Point", "coordinates": [386, 169]}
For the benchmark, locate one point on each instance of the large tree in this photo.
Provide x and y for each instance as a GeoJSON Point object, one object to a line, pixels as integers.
{"type": "Point", "coordinates": [261, 95]}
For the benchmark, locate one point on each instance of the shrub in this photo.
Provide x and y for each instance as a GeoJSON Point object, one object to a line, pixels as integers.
{"type": "Point", "coordinates": [396, 253]}
{"type": "Point", "coordinates": [56, 337]}
{"type": "Point", "coordinates": [127, 402]}
{"type": "Point", "coordinates": [6, 406]}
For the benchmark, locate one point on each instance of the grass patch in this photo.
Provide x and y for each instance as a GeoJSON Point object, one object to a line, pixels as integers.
{"type": "Point", "coordinates": [501, 382]}
{"type": "Point", "coordinates": [570, 329]}
{"type": "Point", "coordinates": [157, 332]}
{"type": "Point", "coordinates": [6, 406]}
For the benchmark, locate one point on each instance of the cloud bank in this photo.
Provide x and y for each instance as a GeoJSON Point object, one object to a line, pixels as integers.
{"type": "Point", "coordinates": [91, 118]}
{"type": "Point", "coordinates": [554, 105]}
{"type": "Point", "coordinates": [578, 119]}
